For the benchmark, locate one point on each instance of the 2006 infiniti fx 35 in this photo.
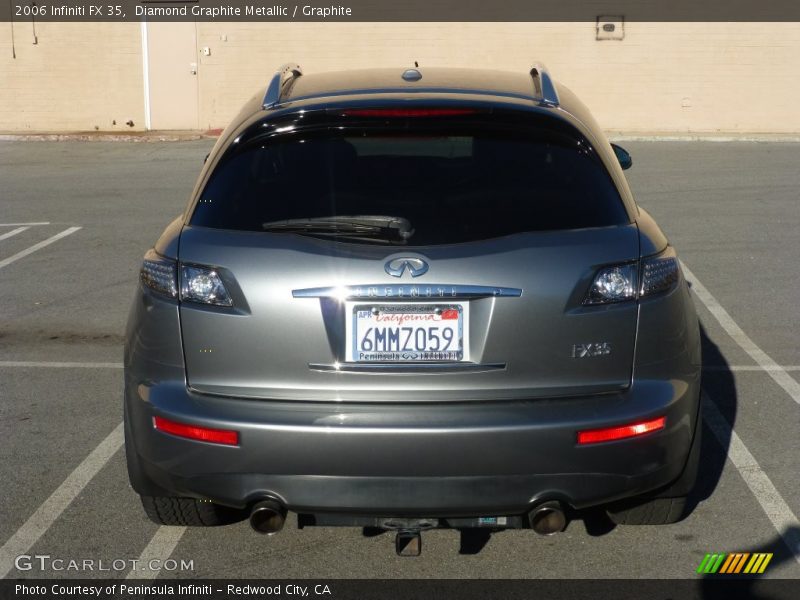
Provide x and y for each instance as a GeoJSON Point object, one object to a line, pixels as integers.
{"type": "Point", "coordinates": [412, 299]}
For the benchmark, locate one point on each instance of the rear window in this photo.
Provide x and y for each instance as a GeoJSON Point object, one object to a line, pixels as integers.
{"type": "Point", "coordinates": [452, 187]}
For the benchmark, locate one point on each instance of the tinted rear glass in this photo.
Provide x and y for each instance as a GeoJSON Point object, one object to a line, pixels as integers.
{"type": "Point", "coordinates": [457, 186]}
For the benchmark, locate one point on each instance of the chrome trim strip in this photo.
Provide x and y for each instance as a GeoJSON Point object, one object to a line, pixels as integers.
{"type": "Point", "coordinates": [401, 368]}
{"type": "Point", "coordinates": [428, 291]}
{"type": "Point", "coordinates": [543, 85]}
{"type": "Point", "coordinates": [286, 73]}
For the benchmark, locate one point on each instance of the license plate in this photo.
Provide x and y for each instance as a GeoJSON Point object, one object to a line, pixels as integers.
{"type": "Point", "coordinates": [419, 332]}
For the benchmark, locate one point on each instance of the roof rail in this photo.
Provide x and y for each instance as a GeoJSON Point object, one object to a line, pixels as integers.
{"type": "Point", "coordinates": [543, 86]}
{"type": "Point", "coordinates": [284, 75]}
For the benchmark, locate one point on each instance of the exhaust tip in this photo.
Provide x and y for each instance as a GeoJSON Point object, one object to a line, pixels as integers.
{"type": "Point", "coordinates": [548, 518]}
{"type": "Point", "coordinates": [268, 517]}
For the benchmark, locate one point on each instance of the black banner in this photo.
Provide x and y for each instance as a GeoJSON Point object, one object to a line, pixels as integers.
{"type": "Point", "coordinates": [404, 10]}
{"type": "Point", "coordinates": [733, 587]}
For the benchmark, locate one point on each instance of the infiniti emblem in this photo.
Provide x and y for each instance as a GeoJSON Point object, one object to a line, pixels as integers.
{"type": "Point", "coordinates": [397, 266]}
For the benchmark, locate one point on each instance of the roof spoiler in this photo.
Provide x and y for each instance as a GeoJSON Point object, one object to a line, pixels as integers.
{"type": "Point", "coordinates": [283, 76]}
{"type": "Point", "coordinates": [543, 85]}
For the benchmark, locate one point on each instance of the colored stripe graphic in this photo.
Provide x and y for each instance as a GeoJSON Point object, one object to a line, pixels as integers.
{"type": "Point", "coordinates": [755, 562]}
{"type": "Point", "coordinates": [744, 560]}
{"type": "Point", "coordinates": [716, 564]}
{"type": "Point", "coordinates": [711, 563]}
{"type": "Point", "coordinates": [734, 563]}
{"type": "Point", "coordinates": [740, 563]}
{"type": "Point", "coordinates": [732, 558]}
{"type": "Point", "coordinates": [767, 558]}
{"type": "Point", "coordinates": [703, 563]}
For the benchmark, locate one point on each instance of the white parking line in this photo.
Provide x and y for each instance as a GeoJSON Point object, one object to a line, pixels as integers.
{"type": "Point", "coordinates": [159, 549]}
{"type": "Point", "coordinates": [41, 520]}
{"type": "Point", "coordinates": [23, 253]}
{"type": "Point", "coordinates": [768, 497]}
{"type": "Point", "coordinates": [28, 364]}
{"type": "Point", "coordinates": [762, 359]}
{"type": "Point", "coordinates": [161, 545]}
{"type": "Point", "coordinates": [13, 232]}
{"type": "Point", "coordinates": [27, 224]}
{"type": "Point", "coordinates": [163, 542]}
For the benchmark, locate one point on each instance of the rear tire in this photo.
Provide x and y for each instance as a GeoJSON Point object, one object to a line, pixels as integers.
{"type": "Point", "coordinates": [166, 510]}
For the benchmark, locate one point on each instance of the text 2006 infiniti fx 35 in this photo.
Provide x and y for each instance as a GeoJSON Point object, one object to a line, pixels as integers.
{"type": "Point", "coordinates": [412, 299]}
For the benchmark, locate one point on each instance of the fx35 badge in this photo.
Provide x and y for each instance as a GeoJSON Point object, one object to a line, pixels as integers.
{"type": "Point", "coordinates": [590, 350]}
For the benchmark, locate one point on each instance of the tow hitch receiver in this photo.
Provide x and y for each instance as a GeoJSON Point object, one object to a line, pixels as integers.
{"type": "Point", "coordinates": [408, 543]}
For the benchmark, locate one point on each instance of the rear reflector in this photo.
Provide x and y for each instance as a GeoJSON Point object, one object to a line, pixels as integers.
{"type": "Point", "coordinates": [593, 436]}
{"type": "Point", "coordinates": [408, 112]}
{"type": "Point", "coordinates": [204, 434]}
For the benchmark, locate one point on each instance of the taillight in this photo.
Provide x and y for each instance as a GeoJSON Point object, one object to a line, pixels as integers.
{"type": "Point", "coordinates": [197, 283]}
{"type": "Point", "coordinates": [613, 284]}
{"type": "Point", "coordinates": [407, 112]}
{"type": "Point", "coordinates": [227, 437]}
{"type": "Point", "coordinates": [159, 274]}
{"type": "Point", "coordinates": [619, 283]}
{"type": "Point", "coordinates": [659, 274]}
{"type": "Point", "coordinates": [621, 432]}
{"type": "Point", "coordinates": [203, 285]}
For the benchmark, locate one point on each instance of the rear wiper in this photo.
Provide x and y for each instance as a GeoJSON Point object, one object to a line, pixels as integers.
{"type": "Point", "coordinates": [368, 227]}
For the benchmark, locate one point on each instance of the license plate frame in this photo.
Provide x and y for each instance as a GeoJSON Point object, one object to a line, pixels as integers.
{"type": "Point", "coordinates": [395, 311]}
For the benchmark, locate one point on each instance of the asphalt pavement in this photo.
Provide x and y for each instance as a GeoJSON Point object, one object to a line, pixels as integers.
{"type": "Point", "coordinates": [83, 216]}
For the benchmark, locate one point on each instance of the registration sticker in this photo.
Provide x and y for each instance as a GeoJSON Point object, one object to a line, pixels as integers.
{"type": "Point", "coordinates": [489, 521]}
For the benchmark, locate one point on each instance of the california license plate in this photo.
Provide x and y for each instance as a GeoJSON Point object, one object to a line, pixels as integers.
{"type": "Point", "coordinates": [419, 332]}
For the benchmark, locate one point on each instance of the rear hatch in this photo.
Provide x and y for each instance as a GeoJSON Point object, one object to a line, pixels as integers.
{"type": "Point", "coordinates": [410, 258]}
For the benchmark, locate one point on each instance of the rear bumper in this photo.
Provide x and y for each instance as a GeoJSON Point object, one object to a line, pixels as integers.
{"type": "Point", "coordinates": [434, 460]}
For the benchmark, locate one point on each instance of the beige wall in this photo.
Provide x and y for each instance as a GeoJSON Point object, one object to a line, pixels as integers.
{"type": "Point", "coordinates": [663, 77]}
{"type": "Point", "coordinates": [78, 77]}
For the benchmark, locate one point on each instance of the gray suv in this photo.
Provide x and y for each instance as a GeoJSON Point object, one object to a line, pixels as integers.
{"type": "Point", "coordinates": [409, 299]}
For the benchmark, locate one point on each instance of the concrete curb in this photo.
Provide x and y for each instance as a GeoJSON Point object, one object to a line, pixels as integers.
{"type": "Point", "coordinates": [108, 137]}
{"type": "Point", "coordinates": [704, 137]}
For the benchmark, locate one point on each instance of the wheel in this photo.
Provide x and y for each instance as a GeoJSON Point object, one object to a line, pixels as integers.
{"type": "Point", "coordinates": [166, 510]}
{"type": "Point", "coordinates": [667, 505]}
